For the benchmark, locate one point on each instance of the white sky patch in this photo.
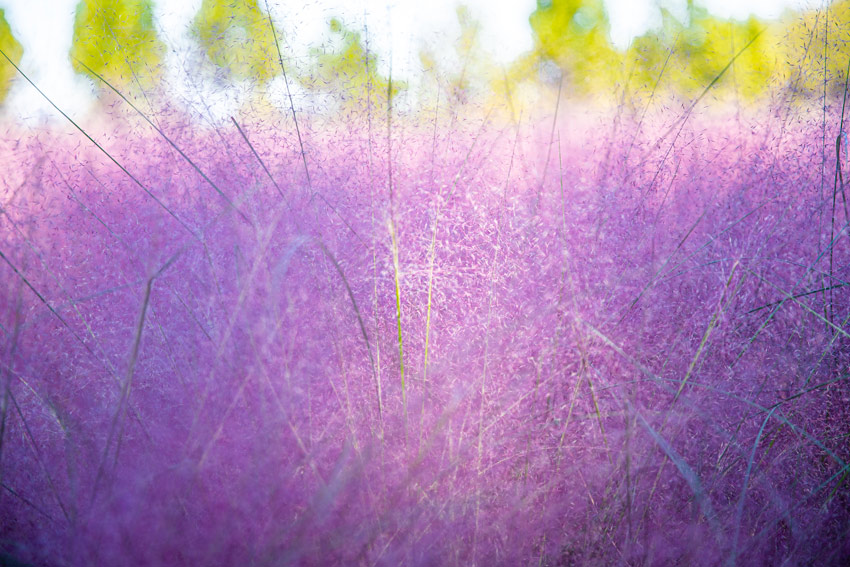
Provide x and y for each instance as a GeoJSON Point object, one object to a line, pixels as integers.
{"type": "Point", "coordinates": [765, 8]}
{"type": "Point", "coordinates": [44, 29]}
{"type": "Point", "coordinates": [396, 30]}
{"type": "Point", "coordinates": [631, 18]}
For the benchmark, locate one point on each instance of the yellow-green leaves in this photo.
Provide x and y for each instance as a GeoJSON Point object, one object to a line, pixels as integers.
{"type": "Point", "coordinates": [13, 50]}
{"type": "Point", "coordinates": [236, 36]}
{"type": "Point", "coordinates": [697, 52]}
{"type": "Point", "coordinates": [350, 71]}
{"type": "Point", "coordinates": [117, 40]}
{"type": "Point", "coordinates": [817, 50]}
{"type": "Point", "coordinates": [575, 35]}
{"type": "Point", "coordinates": [687, 56]}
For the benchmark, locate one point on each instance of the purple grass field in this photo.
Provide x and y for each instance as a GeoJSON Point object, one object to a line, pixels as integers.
{"type": "Point", "coordinates": [577, 341]}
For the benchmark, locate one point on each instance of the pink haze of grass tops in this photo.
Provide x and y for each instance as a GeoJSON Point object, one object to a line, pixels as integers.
{"type": "Point", "coordinates": [637, 346]}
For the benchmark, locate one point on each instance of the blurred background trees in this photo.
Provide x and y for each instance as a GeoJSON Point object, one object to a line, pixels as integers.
{"type": "Point", "coordinates": [686, 56]}
{"type": "Point", "coordinates": [803, 55]}
{"type": "Point", "coordinates": [117, 40]}
{"type": "Point", "coordinates": [238, 39]}
{"type": "Point", "coordinates": [13, 50]}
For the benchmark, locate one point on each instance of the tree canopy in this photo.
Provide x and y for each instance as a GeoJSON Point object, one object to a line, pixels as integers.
{"type": "Point", "coordinates": [237, 37]}
{"type": "Point", "coordinates": [117, 40]}
{"type": "Point", "coordinates": [12, 48]}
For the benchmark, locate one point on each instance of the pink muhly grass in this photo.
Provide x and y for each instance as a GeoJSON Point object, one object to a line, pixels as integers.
{"type": "Point", "coordinates": [639, 356]}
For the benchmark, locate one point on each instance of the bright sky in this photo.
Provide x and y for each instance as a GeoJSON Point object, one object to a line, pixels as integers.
{"type": "Point", "coordinates": [399, 28]}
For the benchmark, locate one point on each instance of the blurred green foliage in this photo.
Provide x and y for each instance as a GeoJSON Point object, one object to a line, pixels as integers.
{"type": "Point", "coordinates": [696, 53]}
{"type": "Point", "coordinates": [350, 71]}
{"type": "Point", "coordinates": [237, 37]}
{"type": "Point", "coordinates": [687, 56]}
{"type": "Point", "coordinates": [117, 40]}
{"type": "Point", "coordinates": [13, 50]}
{"type": "Point", "coordinates": [575, 35]}
{"type": "Point", "coordinates": [802, 56]}
{"type": "Point", "coordinates": [817, 51]}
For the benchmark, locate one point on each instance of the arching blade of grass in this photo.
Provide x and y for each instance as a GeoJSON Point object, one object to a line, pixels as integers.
{"type": "Point", "coordinates": [28, 434]}
{"type": "Point", "coordinates": [794, 298]}
{"type": "Point", "coordinates": [682, 120]}
{"type": "Point", "coordinates": [714, 318]}
{"type": "Point", "coordinates": [9, 355]}
{"type": "Point", "coordinates": [687, 473]}
{"type": "Point", "coordinates": [838, 184]}
{"type": "Point", "coordinates": [790, 296]}
{"type": "Point", "coordinates": [777, 416]}
{"type": "Point", "coordinates": [373, 225]}
{"type": "Point", "coordinates": [798, 295]}
{"type": "Point", "coordinates": [55, 312]}
{"type": "Point", "coordinates": [26, 501]}
{"type": "Point", "coordinates": [840, 473]}
{"type": "Point", "coordinates": [123, 401]}
{"type": "Point", "coordinates": [360, 322]}
{"type": "Point", "coordinates": [739, 510]}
